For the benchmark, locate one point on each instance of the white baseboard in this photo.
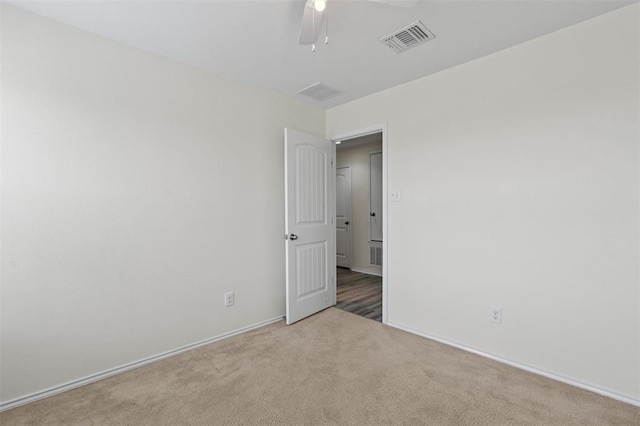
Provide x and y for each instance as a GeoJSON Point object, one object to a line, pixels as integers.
{"type": "Point", "coordinates": [524, 367]}
{"type": "Point", "coordinates": [368, 271]}
{"type": "Point", "coordinates": [127, 367]}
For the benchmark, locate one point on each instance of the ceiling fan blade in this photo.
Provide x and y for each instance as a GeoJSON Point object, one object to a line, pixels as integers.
{"type": "Point", "coordinates": [311, 24]}
{"type": "Point", "coordinates": [401, 3]}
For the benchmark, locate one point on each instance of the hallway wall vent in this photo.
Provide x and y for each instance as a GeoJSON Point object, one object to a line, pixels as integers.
{"type": "Point", "coordinates": [375, 254]}
{"type": "Point", "coordinates": [408, 37]}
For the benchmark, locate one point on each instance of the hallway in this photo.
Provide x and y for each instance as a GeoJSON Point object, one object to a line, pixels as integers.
{"type": "Point", "coordinates": [360, 294]}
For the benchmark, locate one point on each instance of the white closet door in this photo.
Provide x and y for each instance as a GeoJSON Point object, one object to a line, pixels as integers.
{"type": "Point", "coordinates": [375, 196]}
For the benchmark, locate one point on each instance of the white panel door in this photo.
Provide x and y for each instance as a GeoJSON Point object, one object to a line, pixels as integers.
{"type": "Point", "coordinates": [309, 226]}
{"type": "Point", "coordinates": [343, 216]}
{"type": "Point", "coordinates": [375, 196]}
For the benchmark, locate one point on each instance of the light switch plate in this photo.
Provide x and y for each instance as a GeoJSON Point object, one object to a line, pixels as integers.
{"type": "Point", "coordinates": [396, 195]}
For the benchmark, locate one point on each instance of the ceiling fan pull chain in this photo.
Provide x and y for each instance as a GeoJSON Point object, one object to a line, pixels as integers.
{"type": "Point", "coordinates": [313, 26]}
{"type": "Point", "coordinates": [326, 25]}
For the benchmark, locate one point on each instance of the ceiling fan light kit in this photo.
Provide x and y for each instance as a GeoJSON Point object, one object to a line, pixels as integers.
{"type": "Point", "coordinates": [319, 5]}
{"type": "Point", "coordinates": [315, 14]}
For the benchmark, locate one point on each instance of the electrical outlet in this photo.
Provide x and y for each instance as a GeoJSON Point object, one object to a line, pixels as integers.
{"type": "Point", "coordinates": [495, 314]}
{"type": "Point", "coordinates": [396, 195]}
{"type": "Point", "coordinates": [228, 298]}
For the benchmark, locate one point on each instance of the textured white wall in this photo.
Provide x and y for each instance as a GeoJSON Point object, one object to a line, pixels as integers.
{"type": "Point", "coordinates": [519, 174]}
{"type": "Point", "coordinates": [358, 158]}
{"type": "Point", "coordinates": [135, 192]}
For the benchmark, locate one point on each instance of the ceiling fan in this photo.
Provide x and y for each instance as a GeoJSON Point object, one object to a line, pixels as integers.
{"type": "Point", "coordinates": [316, 13]}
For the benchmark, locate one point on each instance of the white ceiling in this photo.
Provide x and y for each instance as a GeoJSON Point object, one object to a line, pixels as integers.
{"type": "Point", "coordinates": [256, 41]}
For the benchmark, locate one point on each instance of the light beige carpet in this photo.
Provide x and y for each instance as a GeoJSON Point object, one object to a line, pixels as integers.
{"type": "Point", "coordinates": [332, 368]}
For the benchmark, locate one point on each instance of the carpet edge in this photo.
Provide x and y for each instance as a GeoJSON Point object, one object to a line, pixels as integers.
{"type": "Point", "coordinates": [552, 376]}
{"type": "Point", "coordinates": [36, 396]}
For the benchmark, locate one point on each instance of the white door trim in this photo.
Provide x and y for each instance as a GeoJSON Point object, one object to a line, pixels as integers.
{"type": "Point", "coordinates": [385, 217]}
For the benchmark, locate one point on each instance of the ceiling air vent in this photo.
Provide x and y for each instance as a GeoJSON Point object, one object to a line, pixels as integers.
{"type": "Point", "coordinates": [319, 92]}
{"type": "Point", "coordinates": [408, 37]}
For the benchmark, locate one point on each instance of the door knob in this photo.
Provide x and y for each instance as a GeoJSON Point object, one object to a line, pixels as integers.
{"type": "Point", "coordinates": [293, 237]}
{"type": "Point", "coordinates": [372, 214]}
{"type": "Point", "coordinates": [347, 222]}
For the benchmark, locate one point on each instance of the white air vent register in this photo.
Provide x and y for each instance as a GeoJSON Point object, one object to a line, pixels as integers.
{"type": "Point", "coordinates": [408, 37]}
{"type": "Point", "coordinates": [319, 92]}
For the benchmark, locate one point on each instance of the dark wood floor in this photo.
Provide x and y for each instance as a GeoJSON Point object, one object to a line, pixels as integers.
{"type": "Point", "coordinates": [360, 294]}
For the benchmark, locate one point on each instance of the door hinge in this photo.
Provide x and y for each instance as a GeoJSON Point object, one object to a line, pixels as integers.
{"type": "Point", "coordinates": [332, 162]}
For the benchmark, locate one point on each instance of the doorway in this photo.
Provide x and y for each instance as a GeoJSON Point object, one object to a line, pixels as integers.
{"type": "Point", "coordinates": [361, 222]}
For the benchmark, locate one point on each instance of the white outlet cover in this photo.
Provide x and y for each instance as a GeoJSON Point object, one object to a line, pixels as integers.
{"type": "Point", "coordinates": [396, 195]}
{"type": "Point", "coordinates": [228, 298]}
{"type": "Point", "coordinates": [495, 314]}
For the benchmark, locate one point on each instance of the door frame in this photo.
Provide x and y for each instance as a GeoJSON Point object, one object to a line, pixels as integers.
{"type": "Point", "coordinates": [379, 128]}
